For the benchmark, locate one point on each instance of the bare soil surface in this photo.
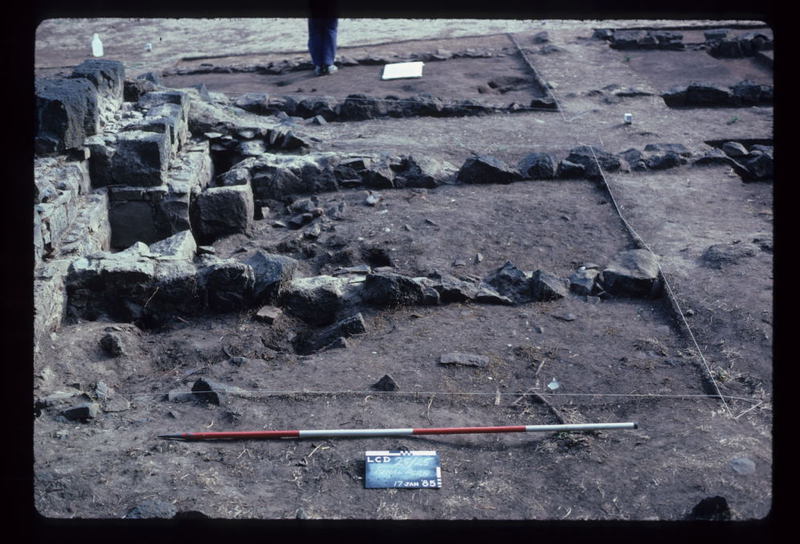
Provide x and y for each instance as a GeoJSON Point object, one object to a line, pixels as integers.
{"type": "Point", "coordinates": [615, 359]}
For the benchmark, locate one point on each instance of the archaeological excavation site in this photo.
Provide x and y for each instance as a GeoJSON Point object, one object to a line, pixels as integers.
{"type": "Point", "coordinates": [555, 224]}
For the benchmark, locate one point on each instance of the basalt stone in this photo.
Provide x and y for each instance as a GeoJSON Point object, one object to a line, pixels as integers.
{"type": "Point", "coordinates": [715, 34]}
{"type": "Point", "coordinates": [748, 93]}
{"type": "Point", "coordinates": [213, 392]}
{"type": "Point", "coordinates": [112, 344]}
{"type": "Point", "coordinates": [632, 273]}
{"type": "Point", "coordinates": [635, 159]}
{"type": "Point", "coordinates": [387, 289]}
{"type": "Point", "coordinates": [464, 108]}
{"type": "Point", "coordinates": [271, 273]}
{"type": "Point", "coordinates": [117, 284]}
{"type": "Point", "coordinates": [252, 148]}
{"type": "Point", "coordinates": [680, 149]}
{"type": "Point", "coordinates": [766, 149]}
{"type": "Point", "coordinates": [662, 161]}
{"type": "Point", "coordinates": [253, 102]}
{"type": "Point", "coordinates": [285, 104]}
{"type": "Point", "coordinates": [420, 105]}
{"type": "Point", "coordinates": [584, 281]}
{"type": "Point", "coordinates": [315, 300]}
{"type": "Point", "coordinates": [306, 205]}
{"type": "Point", "coordinates": [108, 77]}
{"type": "Point", "coordinates": [141, 158]}
{"type": "Point", "coordinates": [228, 285]}
{"type": "Point", "coordinates": [589, 157]}
{"type": "Point", "coordinates": [156, 98]}
{"type": "Point", "coordinates": [759, 167]}
{"type": "Point", "coordinates": [323, 106]}
{"type": "Point", "coordinates": [101, 153]}
{"type": "Point", "coordinates": [627, 39]}
{"type": "Point", "coordinates": [698, 95]}
{"type": "Point", "coordinates": [758, 41]}
{"type": "Point", "coordinates": [66, 113]}
{"type": "Point", "coordinates": [82, 412]}
{"type": "Point", "coordinates": [284, 138]}
{"type": "Point", "coordinates": [360, 107]}
{"type": "Point", "coordinates": [179, 246]}
{"type": "Point", "coordinates": [378, 174]}
{"type": "Point", "coordinates": [734, 149]}
{"type": "Point", "coordinates": [274, 182]}
{"type": "Point", "coordinates": [203, 92]}
{"type": "Point", "coordinates": [386, 383]}
{"type": "Point", "coordinates": [236, 176]}
{"type": "Point", "coordinates": [222, 211]}
{"type": "Point", "coordinates": [422, 172]}
{"type": "Point", "coordinates": [570, 170]}
{"type": "Point", "coordinates": [134, 89]}
{"type": "Point", "coordinates": [646, 39]}
{"type": "Point", "coordinates": [177, 290]}
{"type": "Point", "coordinates": [173, 117]}
{"type": "Point", "coordinates": [344, 328]}
{"type": "Point", "coordinates": [156, 78]}
{"type": "Point", "coordinates": [488, 295]}
{"type": "Point", "coordinates": [510, 282]}
{"type": "Point", "coordinates": [666, 39]}
{"type": "Point", "coordinates": [300, 220]}
{"type": "Point", "coordinates": [486, 169]}
{"type": "Point", "coordinates": [716, 157]}
{"type": "Point", "coordinates": [268, 314]}
{"type": "Point", "coordinates": [538, 166]}
{"type": "Point", "coordinates": [453, 289]}
{"type": "Point", "coordinates": [546, 286]}
{"type": "Point", "coordinates": [603, 34]}
{"type": "Point", "coordinates": [730, 48]}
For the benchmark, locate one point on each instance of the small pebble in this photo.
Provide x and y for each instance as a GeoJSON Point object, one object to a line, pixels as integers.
{"type": "Point", "coordinates": [743, 465]}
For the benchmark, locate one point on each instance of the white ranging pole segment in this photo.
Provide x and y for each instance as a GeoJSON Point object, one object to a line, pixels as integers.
{"type": "Point", "coordinates": [580, 427]}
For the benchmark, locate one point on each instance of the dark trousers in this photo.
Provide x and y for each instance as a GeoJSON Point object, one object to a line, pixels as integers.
{"type": "Point", "coordinates": [322, 40]}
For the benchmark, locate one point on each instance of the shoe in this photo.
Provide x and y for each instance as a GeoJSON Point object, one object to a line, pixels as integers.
{"type": "Point", "coordinates": [320, 70]}
{"type": "Point", "coordinates": [331, 69]}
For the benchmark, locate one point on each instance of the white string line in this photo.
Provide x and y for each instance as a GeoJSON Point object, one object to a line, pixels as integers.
{"type": "Point", "coordinates": [538, 77]}
{"type": "Point", "coordinates": [278, 392]}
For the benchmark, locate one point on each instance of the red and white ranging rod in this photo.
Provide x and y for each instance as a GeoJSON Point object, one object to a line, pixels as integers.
{"type": "Point", "coordinates": [345, 433]}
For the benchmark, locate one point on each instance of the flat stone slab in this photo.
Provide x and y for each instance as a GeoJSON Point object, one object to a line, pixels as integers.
{"type": "Point", "coordinates": [633, 273]}
{"type": "Point", "coordinates": [464, 359]}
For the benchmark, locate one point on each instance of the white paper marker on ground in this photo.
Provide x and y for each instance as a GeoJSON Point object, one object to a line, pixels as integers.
{"type": "Point", "coordinates": [400, 70]}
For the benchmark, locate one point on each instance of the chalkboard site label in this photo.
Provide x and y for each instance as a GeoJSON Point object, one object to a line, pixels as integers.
{"type": "Point", "coordinates": [407, 469]}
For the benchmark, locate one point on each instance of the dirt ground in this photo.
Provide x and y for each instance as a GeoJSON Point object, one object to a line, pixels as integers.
{"type": "Point", "coordinates": [616, 359]}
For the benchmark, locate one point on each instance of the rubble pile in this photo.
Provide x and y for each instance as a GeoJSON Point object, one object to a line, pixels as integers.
{"type": "Point", "coordinates": [706, 95]}
{"type": "Point", "coordinates": [721, 44]}
{"type": "Point", "coordinates": [645, 39]}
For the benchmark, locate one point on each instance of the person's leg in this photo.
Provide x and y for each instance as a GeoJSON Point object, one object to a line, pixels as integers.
{"type": "Point", "coordinates": [315, 44]}
{"type": "Point", "coordinates": [328, 48]}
